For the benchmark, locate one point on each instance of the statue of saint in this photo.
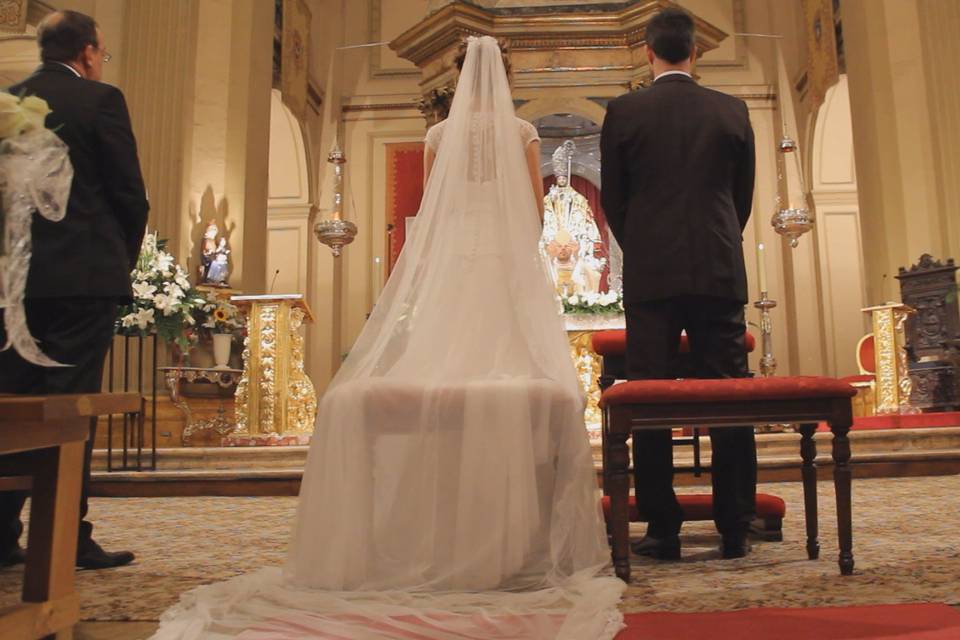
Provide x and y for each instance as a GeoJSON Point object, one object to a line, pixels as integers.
{"type": "Point", "coordinates": [214, 258]}
{"type": "Point", "coordinates": [217, 273]}
{"type": "Point", "coordinates": [208, 250]}
{"type": "Point", "coordinates": [570, 240]}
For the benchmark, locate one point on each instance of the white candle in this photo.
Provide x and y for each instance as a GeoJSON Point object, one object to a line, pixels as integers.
{"type": "Point", "coordinates": [762, 267]}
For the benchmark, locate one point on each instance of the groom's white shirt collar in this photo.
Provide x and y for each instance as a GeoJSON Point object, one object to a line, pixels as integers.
{"type": "Point", "coordinates": [672, 73]}
{"type": "Point", "coordinates": [77, 73]}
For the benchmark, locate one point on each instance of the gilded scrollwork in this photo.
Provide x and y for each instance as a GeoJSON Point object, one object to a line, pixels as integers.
{"type": "Point", "coordinates": [893, 386]}
{"type": "Point", "coordinates": [587, 364]}
{"type": "Point", "coordinates": [276, 399]}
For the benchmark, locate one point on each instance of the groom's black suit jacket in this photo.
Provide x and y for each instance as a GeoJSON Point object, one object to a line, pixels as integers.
{"type": "Point", "coordinates": [678, 172]}
{"type": "Point", "coordinates": [90, 253]}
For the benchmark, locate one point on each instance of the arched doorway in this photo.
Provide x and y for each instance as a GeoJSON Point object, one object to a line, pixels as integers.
{"type": "Point", "coordinates": [839, 248]}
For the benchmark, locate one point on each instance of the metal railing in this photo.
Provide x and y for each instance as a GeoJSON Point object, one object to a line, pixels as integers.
{"type": "Point", "coordinates": [139, 375]}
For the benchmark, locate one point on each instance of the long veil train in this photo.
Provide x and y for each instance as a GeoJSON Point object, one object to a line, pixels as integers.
{"type": "Point", "coordinates": [449, 491]}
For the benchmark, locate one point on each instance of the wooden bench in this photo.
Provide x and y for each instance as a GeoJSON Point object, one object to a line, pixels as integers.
{"type": "Point", "coordinates": [655, 404]}
{"type": "Point", "coordinates": [43, 437]}
{"type": "Point", "coordinates": [611, 346]}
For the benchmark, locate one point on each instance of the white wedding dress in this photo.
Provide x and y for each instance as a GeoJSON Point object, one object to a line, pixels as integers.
{"type": "Point", "coordinates": [449, 492]}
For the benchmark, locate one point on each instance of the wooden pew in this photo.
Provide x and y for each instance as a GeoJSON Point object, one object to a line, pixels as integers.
{"type": "Point", "coordinates": [43, 437]}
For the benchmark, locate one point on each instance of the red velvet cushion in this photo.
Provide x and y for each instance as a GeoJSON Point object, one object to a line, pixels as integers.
{"type": "Point", "coordinates": [613, 342]}
{"type": "Point", "coordinates": [700, 507]}
{"type": "Point", "coordinates": [729, 389]}
{"type": "Point", "coordinates": [609, 343]}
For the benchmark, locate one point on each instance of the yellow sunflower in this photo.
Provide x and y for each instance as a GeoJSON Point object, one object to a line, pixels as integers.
{"type": "Point", "coordinates": [220, 314]}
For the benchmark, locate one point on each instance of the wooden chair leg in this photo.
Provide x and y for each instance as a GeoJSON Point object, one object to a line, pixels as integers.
{"type": "Point", "coordinates": [808, 452]}
{"type": "Point", "coordinates": [618, 457]}
{"type": "Point", "coordinates": [841, 482]}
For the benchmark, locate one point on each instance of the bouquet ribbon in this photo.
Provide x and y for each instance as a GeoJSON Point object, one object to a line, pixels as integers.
{"type": "Point", "coordinates": [35, 176]}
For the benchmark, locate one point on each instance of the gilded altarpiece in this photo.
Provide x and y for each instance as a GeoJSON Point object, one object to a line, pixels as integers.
{"type": "Point", "coordinates": [893, 386]}
{"type": "Point", "coordinates": [275, 400]}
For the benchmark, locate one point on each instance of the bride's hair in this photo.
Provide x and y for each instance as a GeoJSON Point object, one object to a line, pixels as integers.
{"type": "Point", "coordinates": [504, 53]}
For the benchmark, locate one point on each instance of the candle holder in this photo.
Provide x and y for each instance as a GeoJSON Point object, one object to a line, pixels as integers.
{"type": "Point", "coordinates": [768, 364]}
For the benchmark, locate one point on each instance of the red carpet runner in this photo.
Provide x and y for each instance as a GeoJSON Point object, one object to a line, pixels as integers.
{"type": "Point", "coordinates": [882, 622]}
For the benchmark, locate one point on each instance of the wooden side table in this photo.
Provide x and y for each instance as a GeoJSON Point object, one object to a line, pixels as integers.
{"type": "Point", "coordinates": [222, 377]}
{"type": "Point", "coordinates": [46, 435]}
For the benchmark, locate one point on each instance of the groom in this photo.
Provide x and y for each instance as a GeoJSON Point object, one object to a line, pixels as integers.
{"type": "Point", "coordinates": [678, 172]}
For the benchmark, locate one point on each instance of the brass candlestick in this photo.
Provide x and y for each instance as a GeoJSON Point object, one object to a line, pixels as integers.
{"type": "Point", "coordinates": [768, 364]}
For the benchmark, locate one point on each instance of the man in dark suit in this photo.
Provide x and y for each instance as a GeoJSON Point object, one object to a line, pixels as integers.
{"type": "Point", "coordinates": [678, 172]}
{"type": "Point", "coordinates": [81, 266]}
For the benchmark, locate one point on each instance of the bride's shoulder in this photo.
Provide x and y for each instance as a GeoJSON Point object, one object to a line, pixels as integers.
{"type": "Point", "coordinates": [434, 133]}
{"type": "Point", "coordinates": [528, 132]}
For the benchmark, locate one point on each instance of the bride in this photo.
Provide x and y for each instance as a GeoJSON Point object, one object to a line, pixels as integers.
{"type": "Point", "coordinates": [449, 490]}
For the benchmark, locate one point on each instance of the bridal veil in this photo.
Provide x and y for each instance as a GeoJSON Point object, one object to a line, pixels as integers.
{"type": "Point", "coordinates": [449, 490]}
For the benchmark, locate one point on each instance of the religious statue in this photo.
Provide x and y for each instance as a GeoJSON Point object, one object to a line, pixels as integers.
{"type": "Point", "coordinates": [570, 241]}
{"type": "Point", "coordinates": [214, 262]}
{"type": "Point", "coordinates": [217, 273]}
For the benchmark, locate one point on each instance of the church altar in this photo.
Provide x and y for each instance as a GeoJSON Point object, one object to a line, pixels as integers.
{"type": "Point", "coordinates": [580, 329]}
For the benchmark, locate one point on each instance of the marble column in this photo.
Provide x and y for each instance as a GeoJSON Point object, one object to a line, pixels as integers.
{"type": "Point", "coordinates": [158, 45]}
{"type": "Point", "coordinates": [200, 104]}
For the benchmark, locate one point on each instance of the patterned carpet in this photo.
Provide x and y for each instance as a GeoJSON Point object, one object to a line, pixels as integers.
{"type": "Point", "coordinates": [906, 544]}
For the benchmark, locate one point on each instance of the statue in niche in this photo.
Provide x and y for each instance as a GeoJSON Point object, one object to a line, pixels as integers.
{"type": "Point", "coordinates": [217, 273]}
{"type": "Point", "coordinates": [214, 261]}
{"type": "Point", "coordinates": [570, 240]}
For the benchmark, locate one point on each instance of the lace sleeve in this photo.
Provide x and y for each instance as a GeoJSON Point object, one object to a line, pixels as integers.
{"type": "Point", "coordinates": [528, 132]}
{"type": "Point", "coordinates": [432, 138]}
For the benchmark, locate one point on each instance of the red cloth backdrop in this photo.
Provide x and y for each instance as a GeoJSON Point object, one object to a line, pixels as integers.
{"type": "Point", "coordinates": [404, 191]}
{"type": "Point", "coordinates": [592, 194]}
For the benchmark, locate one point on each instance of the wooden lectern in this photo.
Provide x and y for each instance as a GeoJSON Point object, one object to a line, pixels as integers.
{"type": "Point", "coordinates": [276, 402]}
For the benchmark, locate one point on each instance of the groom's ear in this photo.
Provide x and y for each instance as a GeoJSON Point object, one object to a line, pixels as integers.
{"type": "Point", "coordinates": [650, 55]}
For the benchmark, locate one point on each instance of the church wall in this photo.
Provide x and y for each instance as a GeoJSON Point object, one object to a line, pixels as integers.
{"type": "Point", "coordinates": [899, 60]}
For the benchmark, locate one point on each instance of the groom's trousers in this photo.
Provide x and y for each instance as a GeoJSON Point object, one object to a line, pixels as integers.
{"type": "Point", "coordinates": [77, 331]}
{"type": "Point", "coordinates": [716, 333]}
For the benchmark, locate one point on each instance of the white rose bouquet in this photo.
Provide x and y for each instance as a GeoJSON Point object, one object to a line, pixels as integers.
{"type": "Point", "coordinates": [35, 177]}
{"type": "Point", "coordinates": [163, 298]}
{"type": "Point", "coordinates": [593, 303]}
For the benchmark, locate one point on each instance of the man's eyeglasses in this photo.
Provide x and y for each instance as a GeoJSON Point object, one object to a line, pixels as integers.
{"type": "Point", "coordinates": [102, 51]}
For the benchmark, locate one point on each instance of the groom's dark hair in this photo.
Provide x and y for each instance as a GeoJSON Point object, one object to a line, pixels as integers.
{"type": "Point", "coordinates": [671, 35]}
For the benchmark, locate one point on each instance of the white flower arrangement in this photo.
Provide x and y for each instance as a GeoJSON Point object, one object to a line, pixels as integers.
{"type": "Point", "coordinates": [163, 299]}
{"type": "Point", "coordinates": [218, 315]}
{"type": "Point", "coordinates": [593, 303]}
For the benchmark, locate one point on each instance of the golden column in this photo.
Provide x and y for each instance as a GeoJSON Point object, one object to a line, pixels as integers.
{"type": "Point", "coordinates": [276, 401]}
{"type": "Point", "coordinates": [893, 386]}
